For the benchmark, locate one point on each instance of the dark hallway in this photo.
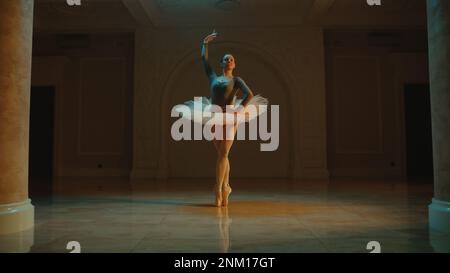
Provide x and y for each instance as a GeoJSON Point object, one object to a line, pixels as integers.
{"type": "Point", "coordinates": [41, 140]}
{"type": "Point", "coordinates": [419, 148]}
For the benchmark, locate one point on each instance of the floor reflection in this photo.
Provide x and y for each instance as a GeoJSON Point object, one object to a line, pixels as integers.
{"type": "Point", "coordinates": [279, 217]}
{"type": "Point", "coordinates": [224, 228]}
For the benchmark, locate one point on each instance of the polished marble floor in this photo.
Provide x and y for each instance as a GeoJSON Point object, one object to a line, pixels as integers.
{"type": "Point", "coordinates": [278, 216]}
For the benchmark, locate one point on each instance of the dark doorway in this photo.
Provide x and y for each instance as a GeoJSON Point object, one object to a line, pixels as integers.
{"type": "Point", "coordinates": [419, 147]}
{"type": "Point", "coordinates": [41, 140]}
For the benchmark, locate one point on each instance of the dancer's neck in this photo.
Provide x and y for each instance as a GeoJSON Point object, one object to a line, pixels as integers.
{"type": "Point", "coordinates": [227, 73]}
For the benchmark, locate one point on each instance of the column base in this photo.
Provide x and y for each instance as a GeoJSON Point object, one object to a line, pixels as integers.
{"type": "Point", "coordinates": [439, 225]}
{"type": "Point", "coordinates": [19, 242]}
{"type": "Point", "coordinates": [16, 217]}
{"type": "Point", "coordinates": [439, 215]}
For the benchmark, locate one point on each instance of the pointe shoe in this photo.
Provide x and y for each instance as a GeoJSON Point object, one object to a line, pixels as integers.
{"type": "Point", "coordinates": [225, 194]}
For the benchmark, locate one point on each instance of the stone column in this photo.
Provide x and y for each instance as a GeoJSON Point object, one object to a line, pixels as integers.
{"type": "Point", "coordinates": [16, 30]}
{"type": "Point", "coordinates": [439, 59]}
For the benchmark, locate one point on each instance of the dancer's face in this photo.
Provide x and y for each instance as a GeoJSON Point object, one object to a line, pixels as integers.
{"type": "Point", "coordinates": [227, 62]}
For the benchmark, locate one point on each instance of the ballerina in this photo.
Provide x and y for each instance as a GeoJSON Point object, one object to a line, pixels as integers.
{"type": "Point", "coordinates": [223, 94]}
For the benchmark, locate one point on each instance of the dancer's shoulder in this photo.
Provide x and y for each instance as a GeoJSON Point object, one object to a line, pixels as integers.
{"type": "Point", "coordinates": [238, 80]}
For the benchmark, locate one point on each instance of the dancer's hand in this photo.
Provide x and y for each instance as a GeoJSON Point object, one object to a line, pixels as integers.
{"type": "Point", "coordinates": [210, 37]}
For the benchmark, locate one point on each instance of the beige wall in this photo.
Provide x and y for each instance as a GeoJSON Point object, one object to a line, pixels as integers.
{"type": "Point", "coordinates": [366, 74]}
{"type": "Point", "coordinates": [93, 102]}
{"type": "Point", "coordinates": [328, 125]}
{"type": "Point", "coordinates": [358, 86]}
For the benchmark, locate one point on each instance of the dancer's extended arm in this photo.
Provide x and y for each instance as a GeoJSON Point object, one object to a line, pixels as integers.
{"type": "Point", "coordinates": [248, 94]}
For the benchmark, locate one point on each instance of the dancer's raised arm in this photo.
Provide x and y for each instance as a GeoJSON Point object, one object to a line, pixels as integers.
{"type": "Point", "coordinates": [209, 71]}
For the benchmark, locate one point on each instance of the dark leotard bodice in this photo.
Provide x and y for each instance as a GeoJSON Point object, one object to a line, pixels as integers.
{"type": "Point", "coordinates": [223, 91]}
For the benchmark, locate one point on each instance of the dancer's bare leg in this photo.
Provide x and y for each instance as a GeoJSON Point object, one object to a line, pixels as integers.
{"type": "Point", "coordinates": [222, 168]}
{"type": "Point", "coordinates": [219, 179]}
{"type": "Point", "coordinates": [223, 188]}
{"type": "Point", "coordinates": [226, 189]}
{"type": "Point", "coordinates": [216, 145]}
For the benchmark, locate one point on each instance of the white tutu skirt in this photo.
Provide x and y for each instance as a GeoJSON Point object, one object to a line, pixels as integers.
{"type": "Point", "coordinates": [201, 110]}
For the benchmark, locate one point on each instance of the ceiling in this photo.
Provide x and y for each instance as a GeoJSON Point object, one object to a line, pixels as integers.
{"type": "Point", "coordinates": [127, 14]}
